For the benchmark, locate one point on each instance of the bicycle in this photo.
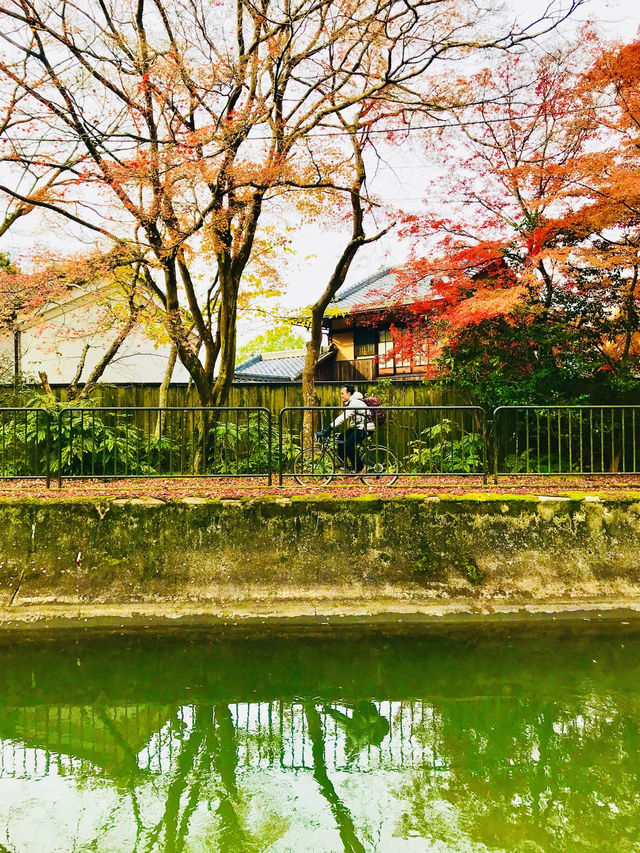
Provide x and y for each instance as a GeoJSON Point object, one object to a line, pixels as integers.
{"type": "Point", "coordinates": [318, 464]}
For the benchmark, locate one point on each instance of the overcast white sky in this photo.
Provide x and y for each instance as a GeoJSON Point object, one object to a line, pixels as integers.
{"type": "Point", "coordinates": [403, 179]}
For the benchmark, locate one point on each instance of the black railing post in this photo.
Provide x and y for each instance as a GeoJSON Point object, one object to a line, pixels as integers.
{"type": "Point", "coordinates": [269, 445]}
{"type": "Point", "coordinates": [485, 460]}
{"type": "Point", "coordinates": [48, 451]}
{"type": "Point", "coordinates": [494, 439]}
{"type": "Point", "coordinates": [280, 454]}
{"type": "Point", "coordinates": [59, 416]}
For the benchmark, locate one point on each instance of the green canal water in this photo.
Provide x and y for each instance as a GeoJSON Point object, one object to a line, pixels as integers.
{"type": "Point", "coordinates": [460, 741]}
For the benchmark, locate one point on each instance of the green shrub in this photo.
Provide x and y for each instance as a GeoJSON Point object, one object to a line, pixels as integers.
{"type": "Point", "coordinates": [446, 447]}
{"type": "Point", "coordinates": [243, 447]}
{"type": "Point", "coordinates": [82, 441]}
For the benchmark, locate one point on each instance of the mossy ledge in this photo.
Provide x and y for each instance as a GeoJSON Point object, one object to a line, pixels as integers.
{"type": "Point", "coordinates": [315, 555]}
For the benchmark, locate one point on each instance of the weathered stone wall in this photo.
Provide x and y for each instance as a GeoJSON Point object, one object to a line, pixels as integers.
{"type": "Point", "coordinates": [311, 555]}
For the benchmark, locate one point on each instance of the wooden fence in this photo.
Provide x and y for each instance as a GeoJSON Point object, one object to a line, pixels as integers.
{"type": "Point", "coordinates": [278, 396]}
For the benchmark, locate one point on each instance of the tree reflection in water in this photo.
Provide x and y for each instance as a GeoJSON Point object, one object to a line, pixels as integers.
{"type": "Point", "coordinates": [341, 814]}
{"type": "Point", "coordinates": [531, 774]}
{"type": "Point", "coordinates": [510, 744]}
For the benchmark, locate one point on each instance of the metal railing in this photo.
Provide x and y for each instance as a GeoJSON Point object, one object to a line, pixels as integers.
{"type": "Point", "coordinates": [26, 445]}
{"type": "Point", "coordinates": [122, 443]}
{"type": "Point", "coordinates": [39, 741]}
{"type": "Point", "coordinates": [405, 441]}
{"type": "Point", "coordinates": [566, 440]}
{"type": "Point", "coordinates": [393, 441]}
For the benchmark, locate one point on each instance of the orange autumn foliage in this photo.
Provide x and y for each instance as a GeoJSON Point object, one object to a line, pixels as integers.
{"type": "Point", "coordinates": [549, 229]}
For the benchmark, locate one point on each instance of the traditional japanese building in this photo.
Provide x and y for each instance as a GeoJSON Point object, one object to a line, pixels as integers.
{"type": "Point", "coordinates": [364, 323]}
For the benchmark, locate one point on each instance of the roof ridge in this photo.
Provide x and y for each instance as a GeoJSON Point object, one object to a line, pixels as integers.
{"type": "Point", "coordinates": [287, 369]}
{"type": "Point", "coordinates": [324, 355]}
{"type": "Point", "coordinates": [365, 282]}
{"type": "Point", "coordinates": [275, 355]}
{"type": "Point", "coordinates": [249, 362]}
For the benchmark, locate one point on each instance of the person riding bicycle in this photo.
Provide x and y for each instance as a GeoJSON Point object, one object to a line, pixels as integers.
{"type": "Point", "coordinates": [354, 414]}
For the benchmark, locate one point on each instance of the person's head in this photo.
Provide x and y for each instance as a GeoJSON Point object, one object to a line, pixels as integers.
{"type": "Point", "coordinates": [346, 391]}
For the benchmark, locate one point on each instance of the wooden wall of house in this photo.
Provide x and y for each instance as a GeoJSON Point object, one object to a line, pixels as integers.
{"type": "Point", "coordinates": [342, 340]}
{"type": "Point", "coordinates": [360, 370]}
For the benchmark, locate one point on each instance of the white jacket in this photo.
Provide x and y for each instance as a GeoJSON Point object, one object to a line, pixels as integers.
{"type": "Point", "coordinates": [355, 412]}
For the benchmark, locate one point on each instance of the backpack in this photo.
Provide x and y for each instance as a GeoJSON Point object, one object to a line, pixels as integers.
{"type": "Point", "coordinates": [375, 414]}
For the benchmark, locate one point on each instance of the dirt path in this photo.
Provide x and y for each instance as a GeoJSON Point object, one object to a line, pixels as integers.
{"type": "Point", "coordinates": [174, 489]}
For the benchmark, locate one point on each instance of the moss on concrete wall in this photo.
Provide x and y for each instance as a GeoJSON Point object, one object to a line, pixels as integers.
{"type": "Point", "coordinates": [324, 548]}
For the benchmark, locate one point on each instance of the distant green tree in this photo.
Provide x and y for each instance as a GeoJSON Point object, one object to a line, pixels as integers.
{"type": "Point", "coordinates": [7, 378]}
{"type": "Point", "coordinates": [522, 360]}
{"type": "Point", "coordinates": [7, 265]}
{"type": "Point", "coordinates": [281, 337]}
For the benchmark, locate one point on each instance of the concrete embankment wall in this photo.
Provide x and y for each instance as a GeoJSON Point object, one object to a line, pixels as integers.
{"type": "Point", "coordinates": [314, 558]}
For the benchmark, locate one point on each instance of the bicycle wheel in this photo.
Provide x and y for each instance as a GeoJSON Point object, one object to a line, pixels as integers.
{"type": "Point", "coordinates": [314, 466]}
{"type": "Point", "coordinates": [381, 464]}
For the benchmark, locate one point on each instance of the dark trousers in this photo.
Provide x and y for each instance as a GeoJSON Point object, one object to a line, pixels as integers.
{"type": "Point", "coordinates": [347, 447]}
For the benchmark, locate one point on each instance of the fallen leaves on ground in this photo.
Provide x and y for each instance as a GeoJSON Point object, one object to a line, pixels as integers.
{"type": "Point", "coordinates": [173, 489]}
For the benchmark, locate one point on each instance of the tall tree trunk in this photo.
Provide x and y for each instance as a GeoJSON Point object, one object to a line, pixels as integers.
{"type": "Point", "coordinates": [336, 281]}
{"type": "Point", "coordinates": [46, 387]}
{"type": "Point", "coordinates": [163, 392]}
{"type": "Point", "coordinates": [309, 396]}
{"type": "Point", "coordinates": [358, 239]}
{"type": "Point", "coordinates": [178, 332]}
{"type": "Point", "coordinates": [317, 314]}
{"type": "Point", "coordinates": [631, 313]}
{"type": "Point", "coordinates": [73, 391]}
{"type": "Point", "coordinates": [232, 261]}
{"type": "Point", "coordinates": [108, 356]}
{"type": "Point", "coordinates": [227, 336]}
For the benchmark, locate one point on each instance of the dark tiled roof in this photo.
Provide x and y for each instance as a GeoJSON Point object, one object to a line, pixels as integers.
{"type": "Point", "coordinates": [378, 291]}
{"type": "Point", "coordinates": [274, 367]}
{"type": "Point", "coordinates": [284, 369]}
